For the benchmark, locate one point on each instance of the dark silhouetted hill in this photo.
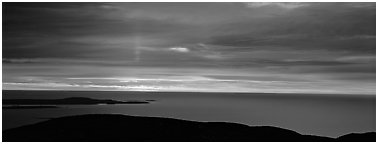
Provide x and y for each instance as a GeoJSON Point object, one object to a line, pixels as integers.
{"type": "Point", "coordinates": [109, 127]}
{"type": "Point", "coordinates": [358, 137]}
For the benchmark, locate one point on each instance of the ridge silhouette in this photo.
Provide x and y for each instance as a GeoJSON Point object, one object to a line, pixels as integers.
{"type": "Point", "coordinates": [111, 127]}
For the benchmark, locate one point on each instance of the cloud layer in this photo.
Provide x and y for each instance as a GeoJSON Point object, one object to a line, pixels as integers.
{"type": "Point", "coordinates": [306, 47]}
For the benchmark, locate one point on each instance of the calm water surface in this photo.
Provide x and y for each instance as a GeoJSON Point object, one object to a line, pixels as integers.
{"type": "Point", "coordinates": [317, 114]}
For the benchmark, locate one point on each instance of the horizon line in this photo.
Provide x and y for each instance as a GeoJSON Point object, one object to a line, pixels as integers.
{"type": "Point", "coordinates": [160, 91]}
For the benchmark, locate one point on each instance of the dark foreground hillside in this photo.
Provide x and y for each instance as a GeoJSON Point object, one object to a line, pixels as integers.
{"type": "Point", "coordinates": [136, 129]}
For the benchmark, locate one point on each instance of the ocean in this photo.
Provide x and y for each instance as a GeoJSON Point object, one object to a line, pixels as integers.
{"type": "Point", "coordinates": [315, 114]}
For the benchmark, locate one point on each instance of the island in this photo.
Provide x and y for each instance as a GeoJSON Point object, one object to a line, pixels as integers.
{"type": "Point", "coordinates": [69, 101]}
{"type": "Point", "coordinates": [29, 106]}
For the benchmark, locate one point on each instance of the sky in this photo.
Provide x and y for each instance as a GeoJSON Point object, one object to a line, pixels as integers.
{"type": "Point", "coordinates": [195, 47]}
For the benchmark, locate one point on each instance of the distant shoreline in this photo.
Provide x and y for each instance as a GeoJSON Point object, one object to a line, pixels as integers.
{"type": "Point", "coordinates": [69, 101]}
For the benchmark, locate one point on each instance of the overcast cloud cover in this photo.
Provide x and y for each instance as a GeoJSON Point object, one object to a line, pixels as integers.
{"type": "Point", "coordinates": [207, 47]}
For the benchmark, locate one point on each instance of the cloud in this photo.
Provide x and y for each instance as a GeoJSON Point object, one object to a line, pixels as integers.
{"type": "Point", "coordinates": [299, 41]}
{"type": "Point", "coordinates": [179, 49]}
{"type": "Point", "coordinates": [362, 4]}
{"type": "Point", "coordinates": [286, 5]}
{"type": "Point", "coordinates": [16, 61]}
{"type": "Point", "coordinates": [328, 26]}
{"type": "Point", "coordinates": [203, 84]}
{"type": "Point", "coordinates": [359, 59]}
